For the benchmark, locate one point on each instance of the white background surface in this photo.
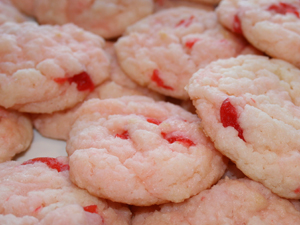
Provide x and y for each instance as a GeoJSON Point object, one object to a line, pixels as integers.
{"type": "Point", "coordinates": [43, 147]}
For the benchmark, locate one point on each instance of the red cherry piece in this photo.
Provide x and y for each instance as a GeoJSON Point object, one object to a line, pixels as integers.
{"type": "Point", "coordinates": [237, 28]}
{"type": "Point", "coordinates": [52, 163]}
{"type": "Point", "coordinates": [229, 117]}
{"type": "Point", "coordinates": [91, 208]}
{"type": "Point", "coordinates": [284, 8]}
{"type": "Point", "coordinates": [124, 135]}
{"type": "Point", "coordinates": [185, 22]}
{"type": "Point", "coordinates": [190, 43]}
{"type": "Point", "coordinates": [152, 120]}
{"type": "Point", "coordinates": [177, 138]}
{"type": "Point", "coordinates": [82, 80]}
{"type": "Point", "coordinates": [155, 77]}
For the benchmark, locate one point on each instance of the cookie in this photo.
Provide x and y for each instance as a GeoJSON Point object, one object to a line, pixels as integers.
{"type": "Point", "coordinates": [16, 134]}
{"type": "Point", "coordinates": [27, 196]}
{"type": "Point", "coordinates": [48, 68]}
{"type": "Point", "coordinates": [249, 106]}
{"type": "Point", "coordinates": [9, 13]}
{"type": "Point", "coordinates": [155, 151]}
{"type": "Point", "coordinates": [163, 50]}
{"type": "Point", "coordinates": [58, 124]}
{"type": "Point", "coordinates": [269, 25]}
{"type": "Point", "coordinates": [239, 201]}
{"type": "Point", "coordinates": [108, 19]}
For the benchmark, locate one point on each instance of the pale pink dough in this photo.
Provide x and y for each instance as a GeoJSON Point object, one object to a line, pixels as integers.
{"type": "Point", "coordinates": [39, 192]}
{"type": "Point", "coordinates": [9, 13]}
{"type": "Point", "coordinates": [48, 68]}
{"type": "Point", "coordinates": [233, 202]}
{"type": "Point", "coordinates": [16, 133]}
{"type": "Point", "coordinates": [58, 124]}
{"type": "Point", "coordinates": [163, 50]}
{"type": "Point", "coordinates": [165, 4]}
{"type": "Point", "coordinates": [249, 106]}
{"type": "Point", "coordinates": [106, 18]}
{"type": "Point", "coordinates": [25, 6]}
{"type": "Point", "coordinates": [272, 26]}
{"type": "Point", "coordinates": [141, 152]}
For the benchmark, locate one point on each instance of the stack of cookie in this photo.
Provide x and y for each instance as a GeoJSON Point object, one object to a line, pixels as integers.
{"type": "Point", "coordinates": [172, 111]}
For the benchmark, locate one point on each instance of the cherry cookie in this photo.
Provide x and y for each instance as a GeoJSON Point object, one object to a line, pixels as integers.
{"type": "Point", "coordinates": [16, 133]}
{"type": "Point", "coordinates": [249, 106]}
{"type": "Point", "coordinates": [106, 18]}
{"type": "Point", "coordinates": [137, 151]}
{"type": "Point", "coordinates": [272, 26]}
{"type": "Point", "coordinates": [163, 50]}
{"type": "Point", "coordinates": [27, 196]}
{"type": "Point", "coordinates": [9, 13]}
{"type": "Point", "coordinates": [238, 201]}
{"type": "Point", "coordinates": [48, 68]}
{"type": "Point", "coordinates": [58, 124]}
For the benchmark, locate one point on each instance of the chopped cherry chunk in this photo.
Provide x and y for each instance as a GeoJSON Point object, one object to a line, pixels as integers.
{"type": "Point", "coordinates": [155, 77]}
{"type": "Point", "coordinates": [124, 135]}
{"type": "Point", "coordinates": [52, 163]}
{"type": "Point", "coordinates": [91, 208]}
{"type": "Point", "coordinates": [177, 138]}
{"type": "Point", "coordinates": [82, 80]}
{"type": "Point", "coordinates": [190, 43]}
{"type": "Point", "coordinates": [185, 22]}
{"type": "Point", "coordinates": [297, 190]}
{"type": "Point", "coordinates": [284, 8]}
{"type": "Point", "coordinates": [237, 28]}
{"type": "Point", "coordinates": [229, 117]}
{"type": "Point", "coordinates": [152, 120]}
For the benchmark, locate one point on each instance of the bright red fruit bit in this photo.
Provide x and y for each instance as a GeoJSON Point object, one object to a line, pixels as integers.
{"type": "Point", "coordinates": [190, 43]}
{"type": "Point", "coordinates": [284, 8]}
{"type": "Point", "coordinates": [183, 140]}
{"type": "Point", "coordinates": [154, 121]}
{"type": "Point", "coordinates": [185, 22]}
{"type": "Point", "coordinates": [155, 77]}
{"type": "Point", "coordinates": [229, 117]}
{"type": "Point", "coordinates": [52, 163]}
{"type": "Point", "coordinates": [82, 80]}
{"type": "Point", "coordinates": [124, 135]}
{"type": "Point", "coordinates": [91, 208]}
{"type": "Point", "coordinates": [237, 28]}
{"type": "Point", "coordinates": [297, 191]}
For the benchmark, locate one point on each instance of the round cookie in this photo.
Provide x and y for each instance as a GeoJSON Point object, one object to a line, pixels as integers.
{"type": "Point", "coordinates": [58, 124]}
{"type": "Point", "coordinates": [249, 106]}
{"type": "Point", "coordinates": [48, 68]}
{"type": "Point", "coordinates": [106, 18]}
{"type": "Point", "coordinates": [163, 50]}
{"type": "Point", "coordinates": [16, 134]}
{"type": "Point", "coordinates": [155, 151]}
{"type": "Point", "coordinates": [27, 196]}
{"type": "Point", "coordinates": [9, 13]}
{"type": "Point", "coordinates": [272, 26]}
{"type": "Point", "coordinates": [240, 201]}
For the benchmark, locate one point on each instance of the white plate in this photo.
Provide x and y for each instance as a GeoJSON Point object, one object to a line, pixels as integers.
{"type": "Point", "coordinates": [43, 147]}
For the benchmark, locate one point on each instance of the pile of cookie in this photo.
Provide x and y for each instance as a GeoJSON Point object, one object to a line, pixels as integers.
{"type": "Point", "coordinates": [173, 111]}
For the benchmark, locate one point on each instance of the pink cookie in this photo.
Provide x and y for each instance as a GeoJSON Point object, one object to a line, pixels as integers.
{"type": "Point", "coordinates": [249, 106]}
{"type": "Point", "coordinates": [58, 124]}
{"type": "Point", "coordinates": [39, 191]}
{"type": "Point", "coordinates": [141, 152]}
{"type": "Point", "coordinates": [48, 68]}
{"type": "Point", "coordinates": [272, 26]}
{"type": "Point", "coordinates": [108, 19]}
{"type": "Point", "coordinates": [163, 50]}
{"type": "Point", "coordinates": [9, 13]}
{"type": "Point", "coordinates": [241, 201]}
{"type": "Point", "coordinates": [16, 134]}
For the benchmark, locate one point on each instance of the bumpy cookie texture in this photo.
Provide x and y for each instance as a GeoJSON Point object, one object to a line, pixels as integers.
{"type": "Point", "coordinates": [155, 151]}
{"type": "Point", "coordinates": [27, 196]}
{"type": "Point", "coordinates": [106, 18]}
{"type": "Point", "coordinates": [48, 68]}
{"type": "Point", "coordinates": [165, 4]}
{"type": "Point", "coordinates": [16, 133]}
{"type": "Point", "coordinates": [240, 201]}
{"type": "Point", "coordinates": [163, 50]}
{"type": "Point", "coordinates": [58, 124]}
{"type": "Point", "coordinates": [9, 13]}
{"type": "Point", "coordinates": [249, 106]}
{"type": "Point", "coordinates": [270, 25]}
